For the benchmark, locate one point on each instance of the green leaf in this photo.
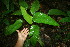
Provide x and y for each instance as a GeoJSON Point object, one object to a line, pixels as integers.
{"type": "Point", "coordinates": [34, 39]}
{"type": "Point", "coordinates": [23, 4]}
{"type": "Point", "coordinates": [12, 28]}
{"type": "Point", "coordinates": [35, 7]}
{"type": "Point", "coordinates": [6, 2]}
{"type": "Point", "coordinates": [34, 30]}
{"type": "Point", "coordinates": [18, 12]}
{"type": "Point", "coordinates": [26, 16]}
{"type": "Point", "coordinates": [43, 18]}
{"type": "Point", "coordinates": [27, 43]}
{"type": "Point", "coordinates": [68, 12]}
{"type": "Point", "coordinates": [66, 19]}
{"type": "Point", "coordinates": [56, 12]}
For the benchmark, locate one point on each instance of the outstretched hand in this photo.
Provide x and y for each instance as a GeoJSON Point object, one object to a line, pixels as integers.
{"type": "Point", "coordinates": [22, 35]}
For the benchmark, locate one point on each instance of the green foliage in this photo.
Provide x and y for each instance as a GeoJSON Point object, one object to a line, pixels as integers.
{"type": "Point", "coordinates": [41, 43]}
{"type": "Point", "coordinates": [34, 39]}
{"type": "Point", "coordinates": [59, 12]}
{"type": "Point", "coordinates": [35, 7]}
{"type": "Point", "coordinates": [12, 28]}
{"type": "Point", "coordinates": [23, 4]}
{"type": "Point", "coordinates": [18, 12]}
{"type": "Point", "coordinates": [6, 2]}
{"type": "Point", "coordinates": [66, 19]}
{"type": "Point", "coordinates": [11, 5]}
{"type": "Point", "coordinates": [6, 12]}
{"type": "Point", "coordinates": [56, 12]}
{"type": "Point", "coordinates": [43, 18]}
{"type": "Point", "coordinates": [6, 21]}
{"type": "Point", "coordinates": [34, 32]}
{"type": "Point", "coordinates": [27, 43]}
{"type": "Point", "coordinates": [68, 12]}
{"type": "Point", "coordinates": [26, 16]}
{"type": "Point", "coordinates": [37, 17]}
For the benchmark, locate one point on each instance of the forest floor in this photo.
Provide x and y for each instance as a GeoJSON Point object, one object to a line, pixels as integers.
{"type": "Point", "coordinates": [52, 36]}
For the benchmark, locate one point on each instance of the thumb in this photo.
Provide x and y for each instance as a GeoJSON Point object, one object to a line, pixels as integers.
{"type": "Point", "coordinates": [18, 32]}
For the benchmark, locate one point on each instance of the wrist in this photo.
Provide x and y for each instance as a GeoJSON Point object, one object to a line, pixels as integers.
{"type": "Point", "coordinates": [21, 40]}
{"type": "Point", "coordinates": [19, 43]}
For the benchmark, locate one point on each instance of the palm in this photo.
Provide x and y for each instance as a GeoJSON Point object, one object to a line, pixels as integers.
{"type": "Point", "coordinates": [23, 34]}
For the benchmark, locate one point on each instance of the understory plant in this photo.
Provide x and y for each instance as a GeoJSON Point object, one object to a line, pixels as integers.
{"type": "Point", "coordinates": [30, 14]}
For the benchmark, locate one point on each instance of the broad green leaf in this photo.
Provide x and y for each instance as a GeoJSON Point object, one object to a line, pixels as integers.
{"type": "Point", "coordinates": [56, 12]}
{"type": "Point", "coordinates": [26, 16]}
{"type": "Point", "coordinates": [43, 18]}
{"type": "Point", "coordinates": [68, 12]}
{"type": "Point", "coordinates": [35, 7]}
{"type": "Point", "coordinates": [34, 39]}
{"type": "Point", "coordinates": [34, 30]}
{"type": "Point", "coordinates": [6, 2]}
{"type": "Point", "coordinates": [23, 4]}
{"type": "Point", "coordinates": [66, 19]}
{"type": "Point", "coordinates": [18, 12]}
{"type": "Point", "coordinates": [12, 28]}
{"type": "Point", "coordinates": [27, 43]}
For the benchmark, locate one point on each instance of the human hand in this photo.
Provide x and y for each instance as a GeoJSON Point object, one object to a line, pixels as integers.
{"type": "Point", "coordinates": [22, 35]}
